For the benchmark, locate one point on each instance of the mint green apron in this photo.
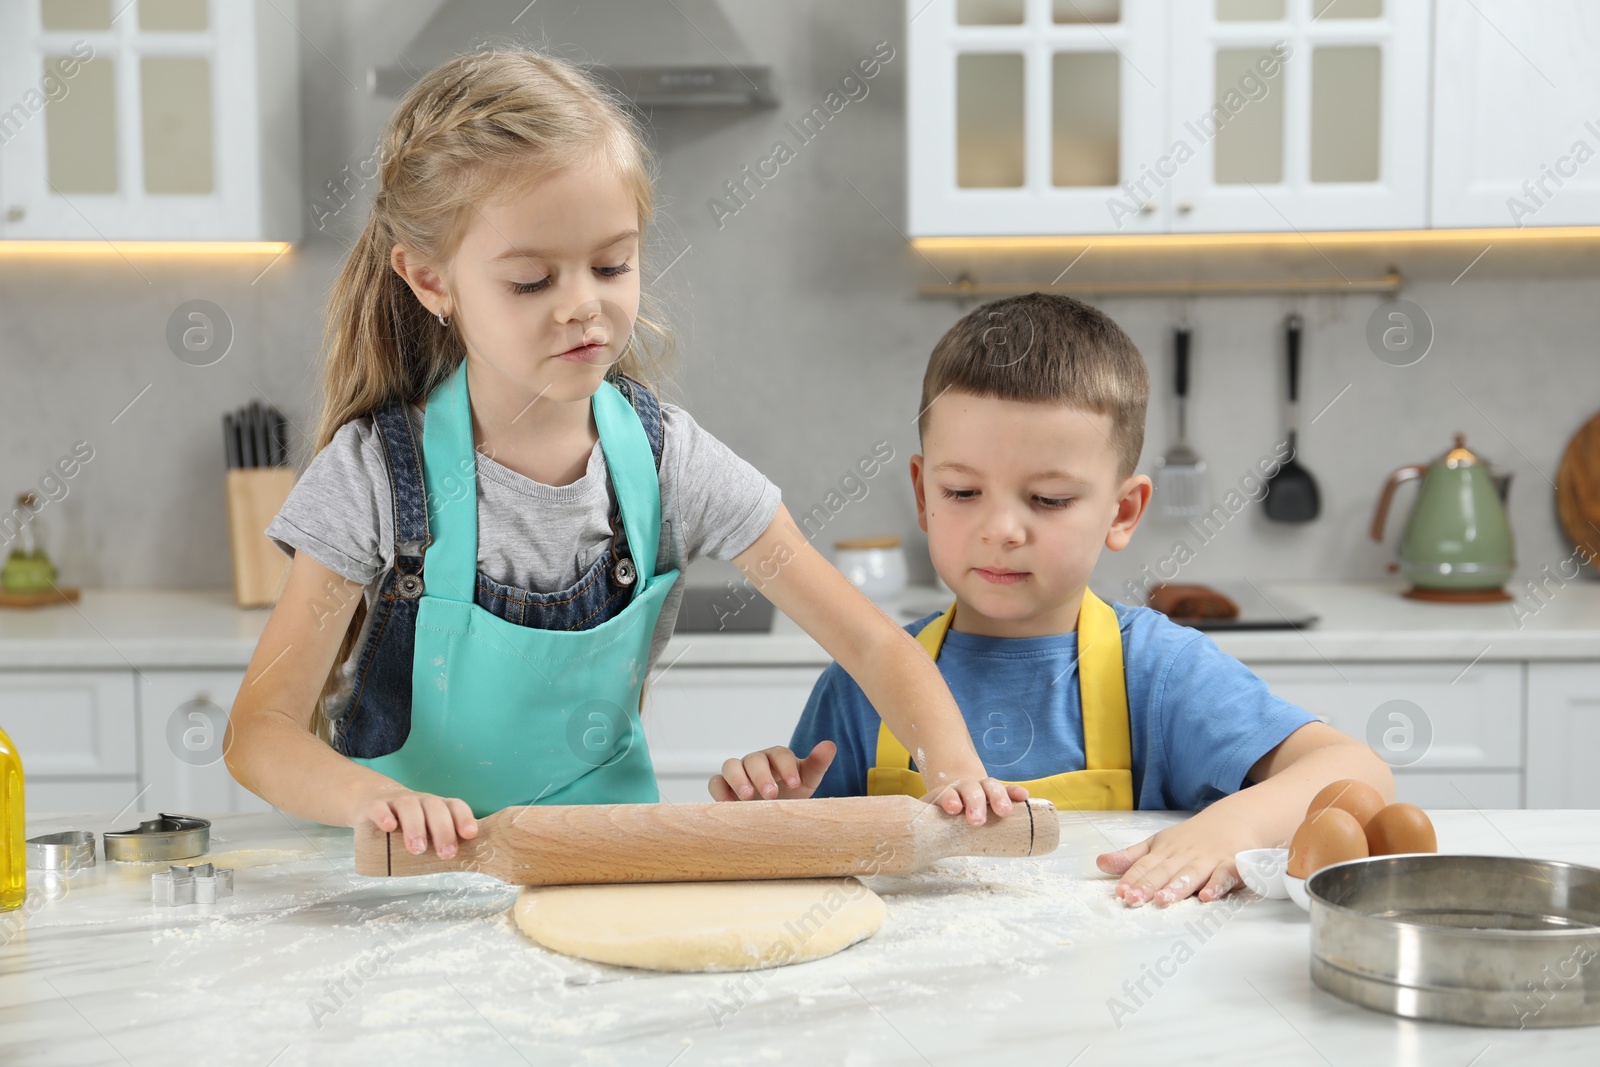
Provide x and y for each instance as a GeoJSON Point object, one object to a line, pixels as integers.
{"type": "Point", "coordinates": [503, 714]}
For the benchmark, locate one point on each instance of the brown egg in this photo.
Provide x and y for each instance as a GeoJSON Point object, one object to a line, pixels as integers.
{"type": "Point", "coordinates": [1401, 828]}
{"type": "Point", "coordinates": [1329, 836]}
{"type": "Point", "coordinates": [1356, 797]}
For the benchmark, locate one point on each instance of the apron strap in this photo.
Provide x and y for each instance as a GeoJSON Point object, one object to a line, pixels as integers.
{"type": "Point", "coordinates": [1103, 695]}
{"type": "Point", "coordinates": [632, 467]}
{"type": "Point", "coordinates": [1102, 687]}
{"type": "Point", "coordinates": [450, 566]}
{"type": "Point", "coordinates": [408, 500]}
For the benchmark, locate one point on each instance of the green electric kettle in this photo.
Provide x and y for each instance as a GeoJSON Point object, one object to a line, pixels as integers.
{"type": "Point", "coordinates": [1457, 545]}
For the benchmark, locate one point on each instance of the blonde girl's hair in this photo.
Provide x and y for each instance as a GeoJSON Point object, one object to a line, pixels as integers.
{"type": "Point", "coordinates": [477, 126]}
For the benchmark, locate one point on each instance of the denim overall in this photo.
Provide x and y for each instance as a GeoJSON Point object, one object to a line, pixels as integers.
{"type": "Point", "coordinates": [498, 695]}
{"type": "Point", "coordinates": [1106, 782]}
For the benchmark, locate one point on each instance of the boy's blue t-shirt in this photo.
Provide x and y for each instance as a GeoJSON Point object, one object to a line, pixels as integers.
{"type": "Point", "coordinates": [1199, 718]}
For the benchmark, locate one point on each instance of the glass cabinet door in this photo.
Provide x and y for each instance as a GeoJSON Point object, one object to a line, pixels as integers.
{"type": "Point", "coordinates": [1034, 116]}
{"type": "Point", "coordinates": [120, 133]}
{"type": "Point", "coordinates": [1300, 114]}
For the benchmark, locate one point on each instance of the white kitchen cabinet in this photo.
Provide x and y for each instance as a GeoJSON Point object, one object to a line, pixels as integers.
{"type": "Point", "coordinates": [1152, 116]}
{"type": "Point", "coordinates": [1516, 113]}
{"type": "Point", "coordinates": [149, 120]}
{"type": "Point", "coordinates": [110, 739]}
{"type": "Point", "coordinates": [75, 733]}
{"type": "Point", "coordinates": [1452, 733]}
{"type": "Point", "coordinates": [89, 794]}
{"type": "Point", "coordinates": [1025, 116]}
{"type": "Point", "coordinates": [1563, 735]}
{"type": "Point", "coordinates": [1299, 114]}
{"type": "Point", "coordinates": [1419, 716]}
{"type": "Point", "coordinates": [183, 718]}
{"type": "Point", "coordinates": [697, 717]}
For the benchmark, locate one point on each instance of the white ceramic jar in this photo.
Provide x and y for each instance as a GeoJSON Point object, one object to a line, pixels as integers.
{"type": "Point", "coordinates": [874, 565]}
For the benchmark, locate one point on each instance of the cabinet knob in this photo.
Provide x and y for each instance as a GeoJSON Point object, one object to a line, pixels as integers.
{"type": "Point", "coordinates": [1185, 206]}
{"type": "Point", "coordinates": [15, 213]}
{"type": "Point", "coordinates": [1148, 207]}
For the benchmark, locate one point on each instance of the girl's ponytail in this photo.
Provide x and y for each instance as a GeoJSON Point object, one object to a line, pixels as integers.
{"type": "Point", "coordinates": [381, 343]}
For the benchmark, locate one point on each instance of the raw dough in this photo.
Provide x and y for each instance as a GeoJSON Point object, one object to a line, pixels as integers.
{"type": "Point", "coordinates": [701, 926]}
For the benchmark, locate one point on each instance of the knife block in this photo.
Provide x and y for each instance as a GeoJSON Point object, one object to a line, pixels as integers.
{"type": "Point", "coordinates": [255, 496]}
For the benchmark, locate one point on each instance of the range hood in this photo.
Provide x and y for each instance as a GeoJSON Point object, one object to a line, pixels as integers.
{"type": "Point", "coordinates": [656, 52]}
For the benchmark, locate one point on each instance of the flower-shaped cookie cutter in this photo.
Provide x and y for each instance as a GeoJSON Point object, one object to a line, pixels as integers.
{"type": "Point", "coordinates": [199, 884]}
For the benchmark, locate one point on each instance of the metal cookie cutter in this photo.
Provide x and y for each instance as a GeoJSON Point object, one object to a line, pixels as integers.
{"type": "Point", "coordinates": [200, 884]}
{"type": "Point", "coordinates": [170, 837]}
{"type": "Point", "coordinates": [69, 850]}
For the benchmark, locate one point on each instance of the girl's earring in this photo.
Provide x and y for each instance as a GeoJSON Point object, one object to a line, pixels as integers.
{"type": "Point", "coordinates": [444, 320]}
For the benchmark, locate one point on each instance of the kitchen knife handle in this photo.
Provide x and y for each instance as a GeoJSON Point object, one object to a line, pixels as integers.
{"type": "Point", "coordinates": [240, 440]}
{"type": "Point", "coordinates": [283, 437]}
{"type": "Point", "coordinates": [258, 426]}
{"type": "Point", "coordinates": [247, 435]}
{"type": "Point", "coordinates": [273, 445]}
{"type": "Point", "coordinates": [230, 442]}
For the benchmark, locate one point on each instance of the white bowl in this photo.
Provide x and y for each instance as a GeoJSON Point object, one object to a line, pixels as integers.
{"type": "Point", "coordinates": [1262, 871]}
{"type": "Point", "coordinates": [1297, 891]}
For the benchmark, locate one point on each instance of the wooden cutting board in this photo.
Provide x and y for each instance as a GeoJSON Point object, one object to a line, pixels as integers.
{"type": "Point", "coordinates": [1578, 489]}
{"type": "Point", "coordinates": [712, 842]}
{"type": "Point", "coordinates": [61, 594]}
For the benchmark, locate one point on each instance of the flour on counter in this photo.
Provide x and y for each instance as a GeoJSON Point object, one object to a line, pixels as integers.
{"type": "Point", "coordinates": [436, 949]}
{"type": "Point", "coordinates": [1004, 909]}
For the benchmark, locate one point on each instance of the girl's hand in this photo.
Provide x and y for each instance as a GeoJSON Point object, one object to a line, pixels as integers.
{"type": "Point", "coordinates": [773, 774]}
{"type": "Point", "coordinates": [422, 817]}
{"type": "Point", "coordinates": [977, 797]}
{"type": "Point", "coordinates": [1193, 858]}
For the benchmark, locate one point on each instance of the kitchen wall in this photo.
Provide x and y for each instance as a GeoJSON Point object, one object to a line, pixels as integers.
{"type": "Point", "coordinates": [802, 339]}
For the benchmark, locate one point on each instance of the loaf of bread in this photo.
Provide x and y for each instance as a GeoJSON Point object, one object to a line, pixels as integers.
{"type": "Point", "coordinates": [1182, 600]}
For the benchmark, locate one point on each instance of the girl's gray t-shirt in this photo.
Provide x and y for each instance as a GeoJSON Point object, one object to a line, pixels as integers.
{"type": "Point", "coordinates": [530, 535]}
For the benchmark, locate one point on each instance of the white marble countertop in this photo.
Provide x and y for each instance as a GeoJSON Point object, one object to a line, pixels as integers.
{"type": "Point", "coordinates": [978, 960]}
{"type": "Point", "coordinates": [1358, 621]}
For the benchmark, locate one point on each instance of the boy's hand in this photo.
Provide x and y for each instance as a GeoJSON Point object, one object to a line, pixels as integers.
{"type": "Point", "coordinates": [773, 774]}
{"type": "Point", "coordinates": [422, 816]}
{"type": "Point", "coordinates": [1194, 857]}
{"type": "Point", "coordinates": [977, 797]}
{"type": "Point", "coordinates": [776, 774]}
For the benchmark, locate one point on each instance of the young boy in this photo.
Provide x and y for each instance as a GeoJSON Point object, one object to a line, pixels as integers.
{"type": "Point", "coordinates": [1032, 424]}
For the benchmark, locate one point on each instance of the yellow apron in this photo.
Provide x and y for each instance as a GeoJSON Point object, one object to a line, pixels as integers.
{"type": "Point", "coordinates": [1107, 782]}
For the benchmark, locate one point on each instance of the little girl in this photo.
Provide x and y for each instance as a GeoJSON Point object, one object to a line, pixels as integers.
{"type": "Point", "coordinates": [477, 592]}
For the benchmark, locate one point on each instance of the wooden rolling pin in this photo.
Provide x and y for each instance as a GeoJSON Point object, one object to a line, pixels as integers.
{"type": "Point", "coordinates": [712, 842]}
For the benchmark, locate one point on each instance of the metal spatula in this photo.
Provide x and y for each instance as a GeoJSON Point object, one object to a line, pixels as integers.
{"type": "Point", "coordinates": [1181, 486]}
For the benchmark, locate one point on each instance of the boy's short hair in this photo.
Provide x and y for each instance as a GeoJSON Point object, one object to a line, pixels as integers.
{"type": "Point", "coordinates": [1045, 348]}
